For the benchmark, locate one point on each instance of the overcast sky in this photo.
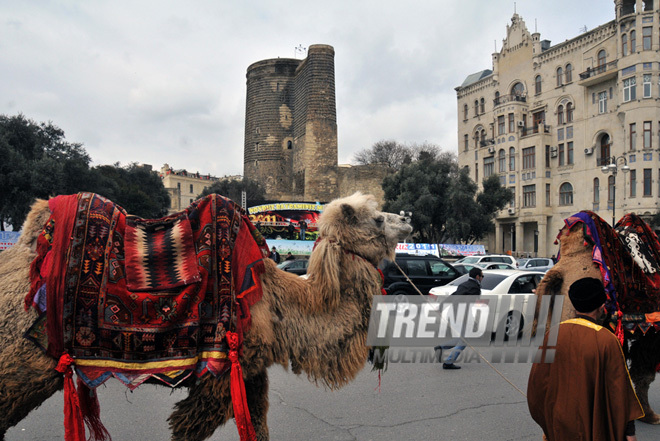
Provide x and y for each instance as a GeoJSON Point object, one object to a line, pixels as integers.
{"type": "Point", "coordinates": [164, 81]}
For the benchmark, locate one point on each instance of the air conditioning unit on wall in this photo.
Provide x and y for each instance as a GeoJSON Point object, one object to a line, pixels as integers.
{"type": "Point", "coordinates": [588, 151]}
{"type": "Point", "coordinates": [553, 152]}
{"type": "Point", "coordinates": [511, 211]}
{"type": "Point", "coordinates": [521, 124]}
{"type": "Point", "coordinates": [491, 149]}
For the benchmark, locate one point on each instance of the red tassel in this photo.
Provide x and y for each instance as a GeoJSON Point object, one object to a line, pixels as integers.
{"type": "Point", "coordinates": [238, 396]}
{"type": "Point", "coordinates": [91, 411]}
{"type": "Point", "coordinates": [619, 328]}
{"type": "Point", "coordinates": [74, 429]}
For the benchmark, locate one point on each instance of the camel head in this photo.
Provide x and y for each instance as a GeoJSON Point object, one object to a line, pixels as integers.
{"type": "Point", "coordinates": [358, 227]}
{"type": "Point", "coordinates": [575, 263]}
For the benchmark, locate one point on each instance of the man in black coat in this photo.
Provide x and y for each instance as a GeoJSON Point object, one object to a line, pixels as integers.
{"type": "Point", "coordinates": [471, 287]}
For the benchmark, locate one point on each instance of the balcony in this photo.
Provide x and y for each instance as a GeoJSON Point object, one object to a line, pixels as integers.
{"type": "Point", "coordinates": [503, 99]}
{"type": "Point", "coordinates": [599, 74]}
{"type": "Point", "coordinates": [539, 128]}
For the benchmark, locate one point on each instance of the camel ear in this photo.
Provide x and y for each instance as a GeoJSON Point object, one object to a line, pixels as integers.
{"type": "Point", "coordinates": [349, 213]}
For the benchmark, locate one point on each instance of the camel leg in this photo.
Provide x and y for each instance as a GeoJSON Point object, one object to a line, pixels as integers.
{"type": "Point", "coordinates": [256, 389]}
{"type": "Point", "coordinates": [642, 383]}
{"type": "Point", "coordinates": [27, 379]}
{"type": "Point", "coordinates": [207, 406]}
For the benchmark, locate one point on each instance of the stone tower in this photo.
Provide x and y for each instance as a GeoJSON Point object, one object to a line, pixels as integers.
{"type": "Point", "coordinates": [291, 126]}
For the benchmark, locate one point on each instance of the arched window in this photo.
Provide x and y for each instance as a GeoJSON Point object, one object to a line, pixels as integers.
{"type": "Point", "coordinates": [476, 107]}
{"type": "Point", "coordinates": [569, 112]}
{"type": "Point", "coordinates": [512, 159]}
{"type": "Point", "coordinates": [497, 98]}
{"type": "Point", "coordinates": [569, 73]}
{"type": "Point", "coordinates": [465, 111]}
{"type": "Point", "coordinates": [476, 139]}
{"type": "Point", "coordinates": [537, 84]}
{"type": "Point", "coordinates": [560, 115]}
{"type": "Point", "coordinates": [602, 60]}
{"type": "Point", "coordinates": [605, 149]}
{"type": "Point", "coordinates": [466, 142]}
{"type": "Point", "coordinates": [596, 190]}
{"type": "Point", "coordinates": [633, 41]}
{"type": "Point", "coordinates": [518, 90]}
{"type": "Point", "coordinates": [560, 74]}
{"type": "Point", "coordinates": [289, 145]}
{"type": "Point", "coordinates": [610, 189]}
{"type": "Point", "coordinates": [501, 160]}
{"type": "Point", "coordinates": [624, 44]}
{"type": "Point", "coordinates": [566, 194]}
{"type": "Point", "coordinates": [483, 135]}
{"type": "Point", "coordinates": [482, 106]}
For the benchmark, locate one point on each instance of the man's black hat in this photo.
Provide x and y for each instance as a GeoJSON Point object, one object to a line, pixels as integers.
{"type": "Point", "coordinates": [587, 294]}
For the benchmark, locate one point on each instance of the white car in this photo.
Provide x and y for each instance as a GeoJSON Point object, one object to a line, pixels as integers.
{"type": "Point", "coordinates": [490, 258]}
{"type": "Point", "coordinates": [502, 284]}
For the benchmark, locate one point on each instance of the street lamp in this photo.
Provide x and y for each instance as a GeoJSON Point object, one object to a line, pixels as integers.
{"type": "Point", "coordinates": [613, 168]}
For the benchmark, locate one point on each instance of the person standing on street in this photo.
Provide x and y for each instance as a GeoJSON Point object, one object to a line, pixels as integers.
{"type": "Point", "coordinates": [303, 228]}
{"type": "Point", "coordinates": [471, 287]}
{"type": "Point", "coordinates": [274, 255]}
{"type": "Point", "coordinates": [585, 393]}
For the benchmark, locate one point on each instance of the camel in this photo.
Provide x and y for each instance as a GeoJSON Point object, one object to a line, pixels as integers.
{"type": "Point", "coordinates": [642, 349]}
{"type": "Point", "coordinates": [317, 326]}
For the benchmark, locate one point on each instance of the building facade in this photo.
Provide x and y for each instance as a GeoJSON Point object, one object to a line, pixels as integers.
{"type": "Point", "coordinates": [184, 187]}
{"type": "Point", "coordinates": [291, 131]}
{"type": "Point", "coordinates": [569, 127]}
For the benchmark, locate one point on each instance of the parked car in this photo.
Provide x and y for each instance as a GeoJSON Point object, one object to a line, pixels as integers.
{"type": "Point", "coordinates": [490, 258]}
{"type": "Point", "coordinates": [297, 266]}
{"type": "Point", "coordinates": [465, 268]}
{"type": "Point", "coordinates": [501, 283]}
{"type": "Point", "coordinates": [496, 265]}
{"type": "Point", "coordinates": [424, 271]}
{"type": "Point", "coordinates": [536, 264]}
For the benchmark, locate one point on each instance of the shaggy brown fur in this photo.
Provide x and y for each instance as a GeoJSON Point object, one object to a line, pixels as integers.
{"type": "Point", "coordinates": [576, 262]}
{"type": "Point", "coordinates": [317, 326]}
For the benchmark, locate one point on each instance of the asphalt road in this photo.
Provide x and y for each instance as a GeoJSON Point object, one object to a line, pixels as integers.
{"type": "Point", "coordinates": [416, 401]}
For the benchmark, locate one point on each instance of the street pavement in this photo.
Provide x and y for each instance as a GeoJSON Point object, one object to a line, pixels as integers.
{"type": "Point", "coordinates": [415, 400]}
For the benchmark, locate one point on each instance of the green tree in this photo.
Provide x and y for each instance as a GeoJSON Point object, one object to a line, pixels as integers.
{"type": "Point", "coordinates": [36, 162]}
{"type": "Point", "coordinates": [233, 188]}
{"type": "Point", "coordinates": [136, 188]}
{"type": "Point", "coordinates": [445, 202]}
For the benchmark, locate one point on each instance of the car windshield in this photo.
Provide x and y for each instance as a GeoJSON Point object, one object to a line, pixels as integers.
{"type": "Point", "coordinates": [522, 262]}
{"type": "Point", "coordinates": [489, 282]}
{"type": "Point", "coordinates": [470, 260]}
{"type": "Point", "coordinates": [284, 264]}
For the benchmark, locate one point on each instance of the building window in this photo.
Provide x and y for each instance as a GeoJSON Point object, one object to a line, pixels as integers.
{"type": "Point", "coordinates": [476, 139]}
{"type": "Point", "coordinates": [501, 127]}
{"type": "Point", "coordinates": [518, 90]}
{"type": "Point", "coordinates": [547, 156]}
{"type": "Point", "coordinates": [547, 195]}
{"type": "Point", "coordinates": [512, 202]}
{"type": "Point", "coordinates": [560, 149]}
{"type": "Point", "coordinates": [289, 145]}
{"type": "Point", "coordinates": [537, 84]}
{"type": "Point", "coordinates": [566, 194]}
{"type": "Point", "coordinates": [602, 102]}
{"type": "Point", "coordinates": [596, 191]}
{"type": "Point", "coordinates": [482, 106]}
{"type": "Point", "coordinates": [610, 189]}
{"type": "Point", "coordinates": [476, 107]}
{"type": "Point", "coordinates": [624, 45]}
{"type": "Point", "coordinates": [647, 135]}
{"type": "Point", "coordinates": [529, 158]}
{"type": "Point", "coordinates": [569, 112]}
{"type": "Point", "coordinates": [483, 136]}
{"type": "Point", "coordinates": [191, 188]}
{"type": "Point", "coordinates": [501, 160]}
{"type": "Point", "coordinates": [629, 91]}
{"type": "Point", "coordinates": [647, 32]}
{"type": "Point", "coordinates": [647, 182]}
{"type": "Point", "coordinates": [569, 153]}
{"type": "Point", "coordinates": [178, 186]}
{"type": "Point", "coordinates": [633, 136]}
{"type": "Point", "coordinates": [633, 183]}
{"type": "Point", "coordinates": [569, 73]}
{"type": "Point", "coordinates": [466, 142]}
{"type": "Point", "coordinates": [602, 61]}
{"type": "Point", "coordinates": [465, 111]}
{"type": "Point", "coordinates": [489, 166]}
{"type": "Point", "coordinates": [512, 123]}
{"type": "Point", "coordinates": [497, 97]}
{"type": "Point", "coordinates": [605, 149]}
{"type": "Point", "coordinates": [560, 74]}
{"type": "Point", "coordinates": [633, 41]}
{"type": "Point", "coordinates": [648, 5]}
{"type": "Point", "coordinates": [560, 115]}
{"type": "Point", "coordinates": [529, 195]}
{"type": "Point", "coordinates": [512, 159]}
{"type": "Point", "coordinates": [646, 85]}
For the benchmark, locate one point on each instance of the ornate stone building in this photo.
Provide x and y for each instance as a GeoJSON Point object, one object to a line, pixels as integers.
{"type": "Point", "coordinates": [291, 131]}
{"type": "Point", "coordinates": [569, 127]}
{"type": "Point", "coordinates": [184, 187]}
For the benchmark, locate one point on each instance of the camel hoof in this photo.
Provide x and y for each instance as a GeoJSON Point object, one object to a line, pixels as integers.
{"type": "Point", "coordinates": [654, 418]}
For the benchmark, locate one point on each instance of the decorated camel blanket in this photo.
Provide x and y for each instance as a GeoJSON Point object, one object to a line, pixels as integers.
{"type": "Point", "coordinates": [135, 298]}
{"type": "Point", "coordinates": [628, 257]}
